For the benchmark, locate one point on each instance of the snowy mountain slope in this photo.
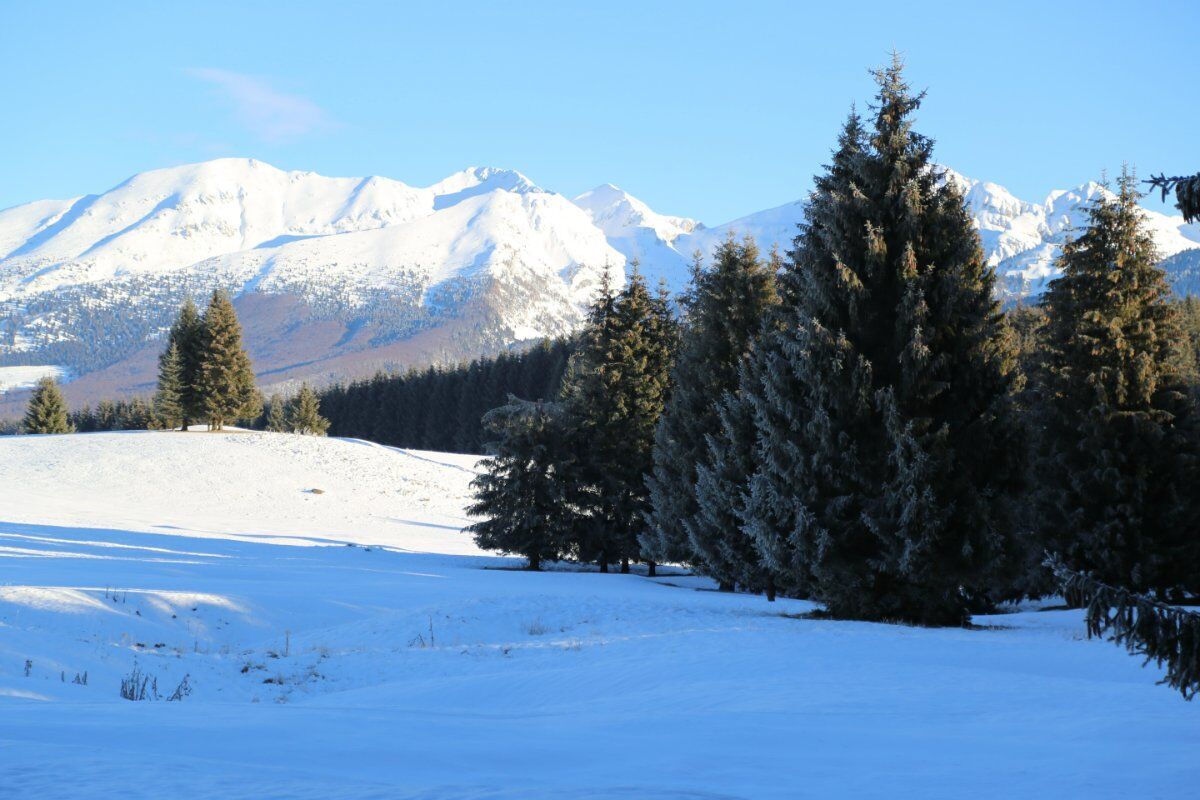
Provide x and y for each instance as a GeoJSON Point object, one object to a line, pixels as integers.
{"type": "Point", "coordinates": [485, 257]}
{"type": "Point", "coordinates": [409, 666]}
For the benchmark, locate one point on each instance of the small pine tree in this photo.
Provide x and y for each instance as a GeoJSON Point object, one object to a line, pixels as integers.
{"type": "Point", "coordinates": [47, 410]}
{"type": "Point", "coordinates": [1120, 443]}
{"type": "Point", "coordinates": [226, 378]}
{"type": "Point", "coordinates": [277, 415]}
{"type": "Point", "coordinates": [168, 399]}
{"type": "Point", "coordinates": [521, 493]}
{"type": "Point", "coordinates": [305, 414]}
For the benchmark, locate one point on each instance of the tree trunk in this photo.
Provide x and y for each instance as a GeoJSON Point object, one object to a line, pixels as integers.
{"type": "Point", "coordinates": [624, 566]}
{"type": "Point", "coordinates": [604, 565]}
{"type": "Point", "coordinates": [725, 586]}
{"type": "Point", "coordinates": [770, 590]}
{"type": "Point", "coordinates": [535, 563]}
{"type": "Point", "coordinates": [650, 569]}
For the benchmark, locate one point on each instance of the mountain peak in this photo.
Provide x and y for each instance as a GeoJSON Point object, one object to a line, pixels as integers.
{"type": "Point", "coordinates": [474, 181]}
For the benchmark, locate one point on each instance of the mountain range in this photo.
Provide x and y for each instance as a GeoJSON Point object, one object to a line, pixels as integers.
{"type": "Point", "coordinates": [338, 277]}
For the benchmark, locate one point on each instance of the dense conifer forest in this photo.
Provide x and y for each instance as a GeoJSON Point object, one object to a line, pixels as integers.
{"type": "Point", "coordinates": [442, 408]}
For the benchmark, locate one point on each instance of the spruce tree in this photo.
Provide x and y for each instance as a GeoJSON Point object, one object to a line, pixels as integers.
{"type": "Point", "coordinates": [305, 414]}
{"type": "Point", "coordinates": [525, 503]}
{"type": "Point", "coordinates": [47, 410]}
{"type": "Point", "coordinates": [168, 399]}
{"type": "Point", "coordinates": [724, 308]}
{"type": "Point", "coordinates": [883, 406]}
{"type": "Point", "coordinates": [1120, 439]}
{"type": "Point", "coordinates": [187, 337]}
{"type": "Point", "coordinates": [226, 379]}
{"type": "Point", "coordinates": [719, 545]}
{"type": "Point", "coordinates": [277, 417]}
{"type": "Point", "coordinates": [616, 387]}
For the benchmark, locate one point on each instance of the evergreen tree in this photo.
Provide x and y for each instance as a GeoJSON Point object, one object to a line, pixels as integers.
{"type": "Point", "coordinates": [277, 418]}
{"type": "Point", "coordinates": [47, 410]}
{"type": "Point", "coordinates": [520, 493]}
{"type": "Point", "coordinates": [724, 308]}
{"type": "Point", "coordinates": [187, 337]}
{"type": "Point", "coordinates": [168, 399]}
{"type": "Point", "coordinates": [305, 416]}
{"type": "Point", "coordinates": [1189, 320]}
{"type": "Point", "coordinates": [615, 392]}
{"type": "Point", "coordinates": [1120, 428]}
{"type": "Point", "coordinates": [720, 547]}
{"type": "Point", "coordinates": [883, 406]}
{"type": "Point", "coordinates": [226, 379]}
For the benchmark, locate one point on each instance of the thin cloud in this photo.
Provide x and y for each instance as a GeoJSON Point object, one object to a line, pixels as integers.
{"type": "Point", "coordinates": [269, 113]}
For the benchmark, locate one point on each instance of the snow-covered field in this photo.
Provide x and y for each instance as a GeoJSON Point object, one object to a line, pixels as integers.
{"type": "Point", "coordinates": [403, 667]}
{"type": "Point", "coordinates": [24, 377]}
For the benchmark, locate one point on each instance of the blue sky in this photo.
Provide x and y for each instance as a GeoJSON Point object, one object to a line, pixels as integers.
{"type": "Point", "coordinates": [711, 110]}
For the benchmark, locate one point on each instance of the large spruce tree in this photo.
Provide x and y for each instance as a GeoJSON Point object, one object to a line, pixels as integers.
{"type": "Point", "coordinates": [521, 493]}
{"type": "Point", "coordinates": [47, 410]}
{"type": "Point", "coordinates": [883, 405]}
{"type": "Point", "coordinates": [1120, 429]}
{"type": "Point", "coordinates": [226, 380]}
{"type": "Point", "coordinates": [724, 307]}
{"type": "Point", "coordinates": [615, 390]}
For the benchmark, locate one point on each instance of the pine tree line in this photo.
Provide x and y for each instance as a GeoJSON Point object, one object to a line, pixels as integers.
{"type": "Point", "coordinates": [442, 408]}
{"type": "Point", "coordinates": [859, 423]}
{"type": "Point", "coordinates": [136, 414]}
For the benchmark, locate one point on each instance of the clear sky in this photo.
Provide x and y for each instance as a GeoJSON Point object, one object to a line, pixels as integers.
{"type": "Point", "coordinates": [710, 110]}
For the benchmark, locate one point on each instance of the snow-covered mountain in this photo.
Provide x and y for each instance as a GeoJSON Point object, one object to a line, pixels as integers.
{"type": "Point", "coordinates": [337, 276]}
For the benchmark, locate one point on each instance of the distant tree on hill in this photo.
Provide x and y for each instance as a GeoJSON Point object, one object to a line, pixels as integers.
{"type": "Point", "coordinates": [520, 493]}
{"type": "Point", "coordinates": [305, 414]}
{"type": "Point", "coordinates": [277, 415]}
{"type": "Point", "coordinates": [226, 383]}
{"type": "Point", "coordinates": [187, 337]}
{"type": "Point", "coordinates": [47, 410]}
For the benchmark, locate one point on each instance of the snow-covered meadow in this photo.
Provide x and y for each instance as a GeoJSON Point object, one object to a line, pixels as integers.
{"type": "Point", "coordinates": [341, 637]}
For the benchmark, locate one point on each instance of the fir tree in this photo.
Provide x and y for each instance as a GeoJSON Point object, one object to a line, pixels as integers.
{"type": "Point", "coordinates": [1120, 428]}
{"type": "Point", "coordinates": [187, 337]}
{"type": "Point", "coordinates": [883, 405]}
{"type": "Point", "coordinates": [47, 410]}
{"type": "Point", "coordinates": [305, 414]}
{"type": "Point", "coordinates": [720, 547]}
{"type": "Point", "coordinates": [168, 399]}
{"type": "Point", "coordinates": [226, 379]}
{"type": "Point", "coordinates": [277, 421]}
{"type": "Point", "coordinates": [521, 493]}
{"type": "Point", "coordinates": [724, 308]}
{"type": "Point", "coordinates": [615, 390]}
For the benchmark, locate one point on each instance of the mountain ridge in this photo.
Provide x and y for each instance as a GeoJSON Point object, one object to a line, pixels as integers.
{"type": "Point", "coordinates": [476, 262]}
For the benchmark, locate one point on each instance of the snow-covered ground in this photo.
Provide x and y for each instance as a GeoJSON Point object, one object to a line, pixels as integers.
{"type": "Point", "coordinates": [24, 377]}
{"type": "Point", "coordinates": [403, 667]}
